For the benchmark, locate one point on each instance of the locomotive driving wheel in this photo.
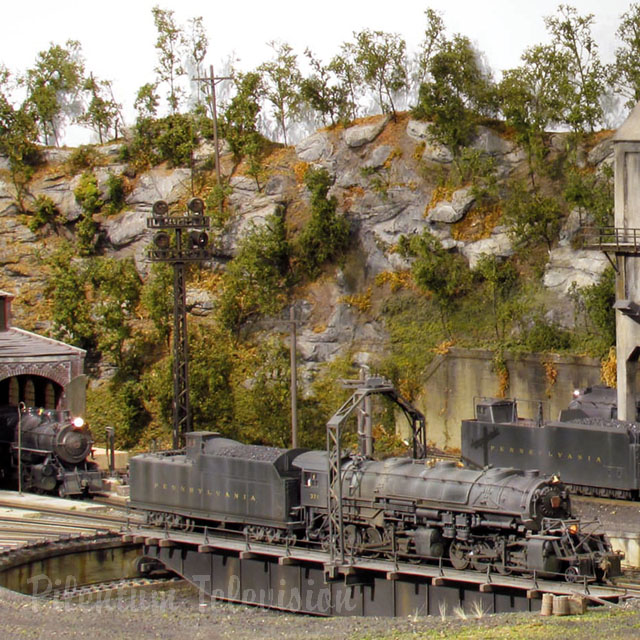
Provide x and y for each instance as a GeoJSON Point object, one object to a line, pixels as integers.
{"type": "Point", "coordinates": [481, 556]}
{"type": "Point", "coordinates": [459, 555]}
{"type": "Point", "coordinates": [352, 539]}
{"type": "Point", "coordinates": [372, 539]}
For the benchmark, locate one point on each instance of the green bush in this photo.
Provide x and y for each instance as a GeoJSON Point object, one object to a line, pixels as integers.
{"type": "Point", "coordinates": [326, 235]}
{"type": "Point", "coordinates": [592, 194]}
{"type": "Point", "coordinates": [215, 204]}
{"type": "Point", "coordinates": [171, 139]}
{"type": "Point", "coordinates": [82, 158]}
{"type": "Point", "coordinates": [45, 212]}
{"type": "Point", "coordinates": [443, 274]}
{"type": "Point", "coordinates": [157, 299]}
{"type": "Point", "coordinates": [115, 195]}
{"type": "Point", "coordinates": [87, 193]}
{"type": "Point", "coordinates": [257, 279]}
{"type": "Point", "coordinates": [595, 317]}
{"type": "Point", "coordinates": [118, 405]}
{"type": "Point", "coordinates": [543, 337]}
{"type": "Point", "coordinates": [88, 197]}
{"type": "Point", "coordinates": [531, 217]}
{"type": "Point", "coordinates": [65, 289]}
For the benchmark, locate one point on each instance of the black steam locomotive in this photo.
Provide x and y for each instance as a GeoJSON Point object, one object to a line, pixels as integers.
{"type": "Point", "coordinates": [594, 453]}
{"type": "Point", "coordinates": [501, 519]}
{"type": "Point", "coordinates": [597, 401]}
{"type": "Point", "coordinates": [53, 449]}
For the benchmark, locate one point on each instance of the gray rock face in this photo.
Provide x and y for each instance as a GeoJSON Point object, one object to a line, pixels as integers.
{"type": "Point", "coordinates": [127, 232]}
{"type": "Point", "coordinates": [571, 228]}
{"type": "Point", "coordinates": [567, 266]}
{"type": "Point", "coordinates": [322, 346]}
{"type": "Point", "coordinates": [382, 203]}
{"type": "Point", "coordinates": [377, 159]}
{"type": "Point", "coordinates": [160, 184]}
{"type": "Point", "coordinates": [498, 244]}
{"type": "Point", "coordinates": [6, 198]}
{"type": "Point", "coordinates": [601, 152]}
{"type": "Point", "coordinates": [61, 191]}
{"type": "Point", "coordinates": [199, 302]}
{"type": "Point", "coordinates": [277, 186]}
{"type": "Point", "coordinates": [418, 130]}
{"type": "Point", "coordinates": [103, 174]}
{"type": "Point", "coordinates": [363, 134]}
{"type": "Point", "coordinates": [490, 142]}
{"type": "Point", "coordinates": [315, 148]}
{"type": "Point", "coordinates": [452, 210]}
{"type": "Point", "coordinates": [127, 227]}
{"type": "Point", "coordinates": [433, 151]}
{"type": "Point", "coordinates": [251, 207]}
{"type": "Point", "coordinates": [504, 151]}
{"type": "Point", "coordinates": [55, 155]}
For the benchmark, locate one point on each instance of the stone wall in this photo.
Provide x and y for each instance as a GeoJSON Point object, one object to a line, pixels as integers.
{"type": "Point", "coordinates": [455, 379]}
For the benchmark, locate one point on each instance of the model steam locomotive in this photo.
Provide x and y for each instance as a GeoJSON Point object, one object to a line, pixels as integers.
{"type": "Point", "coordinates": [594, 453]}
{"type": "Point", "coordinates": [501, 519]}
{"type": "Point", "coordinates": [49, 449]}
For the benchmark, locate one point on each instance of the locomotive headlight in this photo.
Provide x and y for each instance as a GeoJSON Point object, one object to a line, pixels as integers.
{"type": "Point", "coordinates": [573, 529]}
{"type": "Point", "coordinates": [78, 423]}
{"type": "Point", "coordinates": [576, 393]}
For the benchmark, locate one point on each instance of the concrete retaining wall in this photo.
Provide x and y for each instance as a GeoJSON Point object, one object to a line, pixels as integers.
{"type": "Point", "coordinates": [455, 379]}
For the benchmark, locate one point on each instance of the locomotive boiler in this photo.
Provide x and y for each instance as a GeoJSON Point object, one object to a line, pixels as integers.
{"type": "Point", "coordinates": [498, 519]}
{"type": "Point", "coordinates": [53, 450]}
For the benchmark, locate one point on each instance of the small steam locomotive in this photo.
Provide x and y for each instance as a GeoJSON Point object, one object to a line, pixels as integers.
{"type": "Point", "coordinates": [51, 451]}
{"type": "Point", "coordinates": [498, 519]}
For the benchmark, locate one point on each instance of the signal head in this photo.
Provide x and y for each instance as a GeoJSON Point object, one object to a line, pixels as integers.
{"type": "Point", "coordinates": [160, 208]}
{"type": "Point", "coordinates": [162, 240]}
{"type": "Point", "coordinates": [199, 239]}
{"type": "Point", "coordinates": [196, 206]}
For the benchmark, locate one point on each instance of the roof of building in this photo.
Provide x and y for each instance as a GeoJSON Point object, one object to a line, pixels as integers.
{"type": "Point", "coordinates": [18, 343]}
{"type": "Point", "coordinates": [629, 130]}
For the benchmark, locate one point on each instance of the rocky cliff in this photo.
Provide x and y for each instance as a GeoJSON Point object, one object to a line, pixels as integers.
{"type": "Point", "coordinates": [387, 179]}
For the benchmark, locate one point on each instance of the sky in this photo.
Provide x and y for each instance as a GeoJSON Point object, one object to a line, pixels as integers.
{"type": "Point", "coordinates": [118, 37]}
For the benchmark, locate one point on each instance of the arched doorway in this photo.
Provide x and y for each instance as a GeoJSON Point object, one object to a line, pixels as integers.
{"type": "Point", "coordinates": [33, 390]}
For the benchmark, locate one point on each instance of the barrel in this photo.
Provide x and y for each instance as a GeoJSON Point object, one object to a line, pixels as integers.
{"type": "Point", "coordinates": [561, 606]}
{"type": "Point", "coordinates": [547, 604]}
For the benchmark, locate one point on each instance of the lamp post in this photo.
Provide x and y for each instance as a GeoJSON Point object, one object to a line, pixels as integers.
{"type": "Point", "coordinates": [191, 245]}
{"type": "Point", "coordinates": [21, 409]}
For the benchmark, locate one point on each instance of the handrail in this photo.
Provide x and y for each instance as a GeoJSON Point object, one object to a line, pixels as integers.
{"type": "Point", "coordinates": [612, 237]}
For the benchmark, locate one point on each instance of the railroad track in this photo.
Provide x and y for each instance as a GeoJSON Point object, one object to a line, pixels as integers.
{"type": "Point", "coordinates": [24, 523]}
{"type": "Point", "coordinates": [40, 566]}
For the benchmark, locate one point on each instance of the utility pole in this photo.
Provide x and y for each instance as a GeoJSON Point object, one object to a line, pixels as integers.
{"type": "Point", "coordinates": [191, 245]}
{"type": "Point", "coordinates": [294, 380]}
{"type": "Point", "coordinates": [212, 80]}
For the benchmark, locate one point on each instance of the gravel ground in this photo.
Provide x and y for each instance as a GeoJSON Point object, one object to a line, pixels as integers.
{"type": "Point", "coordinates": [176, 612]}
{"type": "Point", "coordinates": [614, 515]}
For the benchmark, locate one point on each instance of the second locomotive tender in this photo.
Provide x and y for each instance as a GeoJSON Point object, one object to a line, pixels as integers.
{"type": "Point", "coordinates": [503, 519]}
{"type": "Point", "coordinates": [594, 453]}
